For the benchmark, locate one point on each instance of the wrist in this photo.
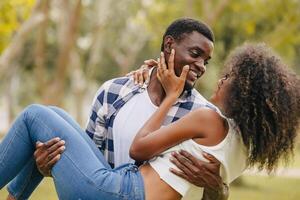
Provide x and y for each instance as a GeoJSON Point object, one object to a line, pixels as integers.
{"type": "Point", "coordinates": [216, 193]}
{"type": "Point", "coordinates": [171, 99]}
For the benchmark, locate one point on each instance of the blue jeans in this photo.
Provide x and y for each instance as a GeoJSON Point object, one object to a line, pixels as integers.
{"type": "Point", "coordinates": [81, 173]}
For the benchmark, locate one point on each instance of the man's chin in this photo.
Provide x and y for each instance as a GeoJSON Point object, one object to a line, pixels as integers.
{"type": "Point", "coordinates": [188, 86]}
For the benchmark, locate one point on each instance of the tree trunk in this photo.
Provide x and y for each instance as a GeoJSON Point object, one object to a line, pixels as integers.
{"type": "Point", "coordinates": [39, 54]}
{"type": "Point", "coordinates": [67, 41]}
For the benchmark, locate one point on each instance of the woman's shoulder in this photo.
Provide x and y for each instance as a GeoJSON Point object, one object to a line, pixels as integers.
{"type": "Point", "coordinates": [213, 124]}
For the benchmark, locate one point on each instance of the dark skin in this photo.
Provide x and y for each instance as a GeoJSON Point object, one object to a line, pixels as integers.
{"type": "Point", "coordinates": [194, 50]}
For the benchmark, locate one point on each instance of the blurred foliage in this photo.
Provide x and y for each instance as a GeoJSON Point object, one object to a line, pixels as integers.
{"type": "Point", "coordinates": [113, 37]}
{"type": "Point", "coordinates": [12, 14]}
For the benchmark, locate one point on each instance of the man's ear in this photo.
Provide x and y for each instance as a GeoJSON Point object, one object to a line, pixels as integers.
{"type": "Point", "coordinates": [168, 44]}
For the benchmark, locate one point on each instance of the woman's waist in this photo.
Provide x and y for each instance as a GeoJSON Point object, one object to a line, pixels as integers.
{"type": "Point", "coordinates": [155, 187]}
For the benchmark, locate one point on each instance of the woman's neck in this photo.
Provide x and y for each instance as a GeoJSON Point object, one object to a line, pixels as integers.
{"type": "Point", "coordinates": [220, 104]}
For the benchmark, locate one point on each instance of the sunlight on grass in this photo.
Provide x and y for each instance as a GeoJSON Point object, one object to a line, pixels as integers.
{"type": "Point", "coordinates": [261, 188]}
{"type": "Point", "coordinates": [45, 191]}
{"type": "Point", "coordinates": [258, 188]}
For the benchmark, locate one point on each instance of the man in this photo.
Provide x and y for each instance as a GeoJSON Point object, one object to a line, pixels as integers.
{"type": "Point", "coordinates": [120, 108]}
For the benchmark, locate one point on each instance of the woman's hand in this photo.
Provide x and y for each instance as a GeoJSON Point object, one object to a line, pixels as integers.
{"type": "Point", "coordinates": [172, 84]}
{"type": "Point", "coordinates": [141, 75]}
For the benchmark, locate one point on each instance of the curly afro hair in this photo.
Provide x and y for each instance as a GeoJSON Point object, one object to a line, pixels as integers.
{"type": "Point", "coordinates": [264, 102]}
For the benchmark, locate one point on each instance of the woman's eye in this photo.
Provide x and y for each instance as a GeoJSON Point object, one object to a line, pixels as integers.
{"type": "Point", "coordinates": [226, 76]}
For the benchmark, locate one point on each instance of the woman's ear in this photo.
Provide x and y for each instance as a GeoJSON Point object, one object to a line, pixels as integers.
{"type": "Point", "coordinates": [168, 44]}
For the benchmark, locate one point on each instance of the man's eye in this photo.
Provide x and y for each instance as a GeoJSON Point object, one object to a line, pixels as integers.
{"type": "Point", "coordinates": [194, 53]}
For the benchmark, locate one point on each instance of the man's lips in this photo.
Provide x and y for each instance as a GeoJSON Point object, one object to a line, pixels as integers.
{"type": "Point", "coordinates": [194, 75]}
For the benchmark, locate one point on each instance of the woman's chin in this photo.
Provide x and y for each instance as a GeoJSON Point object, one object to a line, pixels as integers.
{"type": "Point", "coordinates": [213, 97]}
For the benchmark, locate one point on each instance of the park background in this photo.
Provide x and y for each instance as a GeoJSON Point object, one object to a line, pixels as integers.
{"type": "Point", "coordinates": [59, 52]}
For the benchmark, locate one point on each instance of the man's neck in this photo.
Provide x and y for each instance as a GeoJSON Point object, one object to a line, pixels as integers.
{"type": "Point", "coordinates": [155, 90]}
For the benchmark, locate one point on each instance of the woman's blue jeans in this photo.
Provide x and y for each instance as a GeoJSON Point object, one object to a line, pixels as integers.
{"type": "Point", "coordinates": [81, 173]}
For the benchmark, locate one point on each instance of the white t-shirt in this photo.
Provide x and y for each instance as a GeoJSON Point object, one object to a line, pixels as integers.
{"type": "Point", "coordinates": [130, 118]}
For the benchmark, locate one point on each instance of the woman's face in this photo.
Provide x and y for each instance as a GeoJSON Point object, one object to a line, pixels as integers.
{"type": "Point", "coordinates": [222, 88]}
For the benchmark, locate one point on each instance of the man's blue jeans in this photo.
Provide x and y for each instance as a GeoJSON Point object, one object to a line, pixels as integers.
{"type": "Point", "coordinates": [81, 173]}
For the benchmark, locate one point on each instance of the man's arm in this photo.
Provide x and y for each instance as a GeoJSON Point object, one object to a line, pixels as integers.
{"type": "Point", "coordinates": [201, 174]}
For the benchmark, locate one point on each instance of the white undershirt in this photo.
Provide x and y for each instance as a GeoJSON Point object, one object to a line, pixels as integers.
{"type": "Point", "coordinates": [130, 118]}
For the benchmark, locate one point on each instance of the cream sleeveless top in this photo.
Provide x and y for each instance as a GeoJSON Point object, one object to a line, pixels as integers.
{"type": "Point", "coordinates": [231, 152]}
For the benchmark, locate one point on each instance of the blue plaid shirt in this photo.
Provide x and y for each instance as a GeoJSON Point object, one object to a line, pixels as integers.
{"type": "Point", "coordinates": [113, 94]}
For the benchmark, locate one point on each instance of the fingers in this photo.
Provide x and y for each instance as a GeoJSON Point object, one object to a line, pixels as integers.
{"type": "Point", "coordinates": [141, 75]}
{"type": "Point", "coordinates": [146, 77]}
{"type": "Point", "coordinates": [52, 141]}
{"type": "Point", "coordinates": [40, 156]}
{"type": "Point", "coordinates": [150, 63]}
{"type": "Point", "coordinates": [179, 173]}
{"type": "Point", "coordinates": [183, 164]}
{"type": "Point", "coordinates": [171, 61]}
{"type": "Point", "coordinates": [189, 156]}
{"type": "Point", "coordinates": [56, 146]}
{"type": "Point", "coordinates": [39, 144]}
{"type": "Point", "coordinates": [55, 153]}
{"type": "Point", "coordinates": [159, 70]}
{"type": "Point", "coordinates": [163, 61]}
{"type": "Point", "coordinates": [210, 157]}
{"type": "Point", "coordinates": [184, 72]}
{"type": "Point", "coordinates": [52, 162]}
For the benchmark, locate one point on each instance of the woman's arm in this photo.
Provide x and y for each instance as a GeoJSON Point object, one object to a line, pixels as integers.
{"type": "Point", "coordinates": [151, 140]}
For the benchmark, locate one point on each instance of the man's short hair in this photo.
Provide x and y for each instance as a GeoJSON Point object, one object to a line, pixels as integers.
{"type": "Point", "coordinates": [182, 26]}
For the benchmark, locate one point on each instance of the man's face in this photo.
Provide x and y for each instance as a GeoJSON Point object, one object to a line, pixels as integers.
{"type": "Point", "coordinates": [194, 50]}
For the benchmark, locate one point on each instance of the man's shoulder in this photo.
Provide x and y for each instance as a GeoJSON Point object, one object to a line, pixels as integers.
{"type": "Point", "coordinates": [113, 89]}
{"type": "Point", "coordinates": [197, 96]}
{"type": "Point", "coordinates": [118, 83]}
{"type": "Point", "coordinates": [199, 100]}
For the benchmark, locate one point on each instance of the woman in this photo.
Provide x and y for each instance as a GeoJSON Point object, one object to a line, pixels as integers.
{"type": "Point", "coordinates": [258, 95]}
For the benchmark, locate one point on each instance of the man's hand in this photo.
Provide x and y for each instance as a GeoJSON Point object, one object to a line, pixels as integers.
{"type": "Point", "coordinates": [201, 174]}
{"type": "Point", "coordinates": [47, 154]}
{"type": "Point", "coordinates": [141, 75]}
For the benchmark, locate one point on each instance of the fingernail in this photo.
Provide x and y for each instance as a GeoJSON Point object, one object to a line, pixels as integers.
{"type": "Point", "coordinates": [63, 142]}
{"type": "Point", "coordinates": [172, 51]}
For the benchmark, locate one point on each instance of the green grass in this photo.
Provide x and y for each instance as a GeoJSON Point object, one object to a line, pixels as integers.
{"type": "Point", "coordinates": [262, 188]}
{"type": "Point", "coordinates": [45, 191]}
{"type": "Point", "coordinates": [258, 188]}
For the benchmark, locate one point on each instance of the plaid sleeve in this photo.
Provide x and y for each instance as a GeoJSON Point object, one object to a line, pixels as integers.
{"type": "Point", "coordinates": [95, 127]}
